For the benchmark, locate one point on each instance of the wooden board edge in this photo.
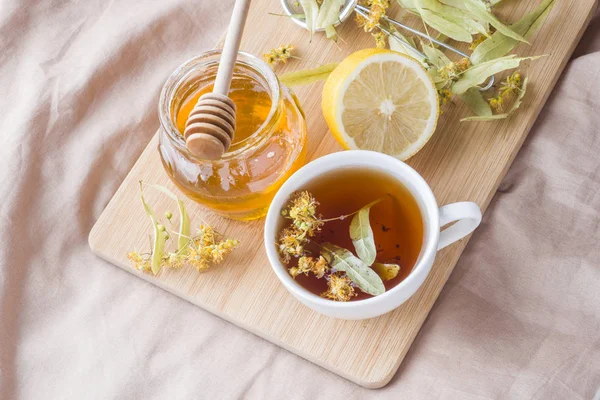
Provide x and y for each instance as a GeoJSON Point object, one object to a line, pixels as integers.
{"type": "Point", "coordinates": [375, 384]}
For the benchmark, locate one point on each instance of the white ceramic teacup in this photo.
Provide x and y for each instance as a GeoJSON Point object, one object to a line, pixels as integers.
{"type": "Point", "coordinates": [466, 216]}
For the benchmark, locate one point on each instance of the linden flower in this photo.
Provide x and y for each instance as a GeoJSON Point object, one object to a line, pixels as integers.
{"type": "Point", "coordinates": [380, 39]}
{"type": "Point", "coordinates": [478, 40]}
{"type": "Point", "coordinates": [291, 243]}
{"type": "Point", "coordinates": [496, 103]}
{"type": "Point", "coordinates": [206, 236]}
{"type": "Point", "coordinates": [214, 253]}
{"type": "Point", "coordinates": [281, 54]}
{"type": "Point", "coordinates": [308, 265]}
{"type": "Point", "coordinates": [463, 64]}
{"type": "Point", "coordinates": [138, 261]}
{"type": "Point", "coordinates": [512, 84]}
{"type": "Point", "coordinates": [378, 10]}
{"type": "Point", "coordinates": [303, 212]}
{"type": "Point", "coordinates": [197, 260]}
{"type": "Point", "coordinates": [444, 95]}
{"type": "Point", "coordinates": [320, 268]}
{"type": "Point", "coordinates": [453, 70]}
{"type": "Point", "coordinates": [174, 261]}
{"type": "Point", "coordinates": [339, 288]}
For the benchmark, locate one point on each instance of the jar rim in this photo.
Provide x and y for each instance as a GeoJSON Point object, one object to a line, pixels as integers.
{"type": "Point", "coordinates": [178, 77]}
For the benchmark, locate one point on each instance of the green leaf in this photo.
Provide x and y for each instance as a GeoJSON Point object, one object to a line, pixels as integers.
{"type": "Point", "coordinates": [498, 45]}
{"type": "Point", "coordinates": [479, 73]}
{"type": "Point", "coordinates": [343, 260]}
{"type": "Point", "coordinates": [362, 234]}
{"type": "Point", "coordinates": [184, 220]}
{"type": "Point", "coordinates": [443, 25]}
{"type": "Point", "coordinates": [158, 245]}
{"type": "Point", "coordinates": [307, 76]}
{"type": "Point", "coordinates": [475, 101]}
{"type": "Point", "coordinates": [401, 44]}
{"type": "Point", "coordinates": [331, 33]}
{"type": "Point", "coordinates": [514, 108]}
{"type": "Point", "coordinates": [329, 13]}
{"type": "Point", "coordinates": [435, 56]}
{"type": "Point", "coordinates": [386, 271]}
{"type": "Point", "coordinates": [479, 10]}
{"type": "Point", "coordinates": [311, 12]}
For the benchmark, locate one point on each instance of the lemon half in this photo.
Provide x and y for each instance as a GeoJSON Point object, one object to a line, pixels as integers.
{"type": "Point", "coordinates": [381, 100]}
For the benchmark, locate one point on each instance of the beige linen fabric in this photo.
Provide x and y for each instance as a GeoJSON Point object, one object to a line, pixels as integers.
{"type": "Point", "coordinates": [519, 318]}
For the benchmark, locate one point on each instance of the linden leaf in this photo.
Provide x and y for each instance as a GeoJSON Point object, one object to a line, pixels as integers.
{"type": "Point", "coordinates": [158, 245]}
{"type": "Point", "coordinates": [454, 15]}
{"type": "Point", "coordinates": [435, 56]}
{"type": "Point", "coordinates": [307, 76]}
{"type": "Point", "coordinates": [331, 33]}
{"type": "Point", "coordinates": [449, 28]}
{"type": "Point", "coordinates": [479, 73]}
{"type": "Point", "coordinates": [311, 12]}
{"type": "Point", "coordinates": [329, 13]}
{"type": "Point", "coordinates": [362, 234]}
{"type": "Point", "coordinates": [479, 10]}
{"type": "Point", "coordinates": [386, 271]}
{"type": "Point", "coordinates": [343, 260]}
{"type": "Point", "coordinates": [184, 220]}
{"type": "Point", "coordinates": [401, 44]}
{"type": "Point", "coordinates": [498, 45]}
{"type": "Point", "coordinates": [475, 101]}
{"type": "Point", "coordinates": [514, 108]}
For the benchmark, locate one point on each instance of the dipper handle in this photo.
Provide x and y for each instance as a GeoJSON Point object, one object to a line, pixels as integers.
{"type": "Point", "coordinates": [231, 46]}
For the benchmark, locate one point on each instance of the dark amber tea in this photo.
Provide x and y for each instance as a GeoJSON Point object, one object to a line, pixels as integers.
{"type": "Point", "coordinates": [322, 255]}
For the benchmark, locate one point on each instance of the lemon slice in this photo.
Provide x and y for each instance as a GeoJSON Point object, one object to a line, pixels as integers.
{"type": "Point", "coordinates": [381, 100]}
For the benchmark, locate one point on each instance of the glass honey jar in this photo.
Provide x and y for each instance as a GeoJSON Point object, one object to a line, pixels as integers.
{"type": "Point", "coordinates": [268, 145]}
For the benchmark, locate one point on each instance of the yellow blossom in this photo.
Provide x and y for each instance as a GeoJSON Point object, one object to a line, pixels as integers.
{"type": "Point", "coordinates": [496, 103]}
{"type": "Point", "coordinates": [280, 54]}
{"type": "Point", "coordinates": [511, 85]}
{"type": "Point", "coordinates": [320, 267]}
{"type": "Point", "coordinates": [444, 95]}
{"type": "Point", "coordinates": [308, 265]}
{"type": "Point", "coordinates": [339, 288]}
{"type": "Point", "coordinates": [463, 64]}
{"type": "Point", "coordinates": [291, 243]}
{"type": "Point", "coordinates": [477, 41]}
{"type": "Point", "coordinates": [174, 261]}
{"type": "Point", "coordinates": [380, 39]}
{"type": "Point", "coordinates": [378, 9]}
{"type": "Point", "coordinates": [139, 262]}
{"type": "Point", "coordinates": [206, 236]}
{"type": "Point", "coordinates": [303, 213]}
{"type": "Point", "coordinates": [294, 272]}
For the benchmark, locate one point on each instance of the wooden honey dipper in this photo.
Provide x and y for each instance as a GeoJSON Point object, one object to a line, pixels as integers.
{"type": "Point", "coordinates": [210, 127]}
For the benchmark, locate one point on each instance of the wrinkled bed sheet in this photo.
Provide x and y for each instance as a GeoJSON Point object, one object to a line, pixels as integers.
{"type": "Point", "coordinates": [518, 319]}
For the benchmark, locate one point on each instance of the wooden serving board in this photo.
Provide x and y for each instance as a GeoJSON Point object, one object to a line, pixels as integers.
{"type": "Point", "coordinates": [463, 161]}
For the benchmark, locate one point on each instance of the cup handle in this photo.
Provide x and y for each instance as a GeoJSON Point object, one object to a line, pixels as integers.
{"type": "Point", "coordinates": [467, 216]}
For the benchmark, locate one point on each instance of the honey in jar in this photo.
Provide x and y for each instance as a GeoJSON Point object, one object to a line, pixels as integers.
{"type": "Point", "coordinates": [268, 145]}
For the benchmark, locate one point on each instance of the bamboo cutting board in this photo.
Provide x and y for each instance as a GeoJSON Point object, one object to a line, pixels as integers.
{"type": "Point", "coordinates": [463, 161]}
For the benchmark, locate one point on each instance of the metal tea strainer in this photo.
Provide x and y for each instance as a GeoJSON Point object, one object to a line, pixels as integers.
{"type": "Point", "coordinates": [293, 11]}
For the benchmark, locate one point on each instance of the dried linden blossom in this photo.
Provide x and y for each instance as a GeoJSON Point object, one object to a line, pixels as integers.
{"type": "Point", "coordinates": [208, 247]}
{"type": "Point", "coordinates": [279, 55]}
{"type": "Point", "coordinates": [308, 265]}
{"type": "Point", "coordinates": [339, 288]}
{"type": "Point", "coordinates": [378, 8]}
{"type": "Point", "coordinates": [305, 224]}
{"type": "Point", "coordinates": [512, 85]}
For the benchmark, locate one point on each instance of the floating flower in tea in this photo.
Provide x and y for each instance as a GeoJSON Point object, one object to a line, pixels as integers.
{"type": "Point", "coordinates": [343, 271]}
